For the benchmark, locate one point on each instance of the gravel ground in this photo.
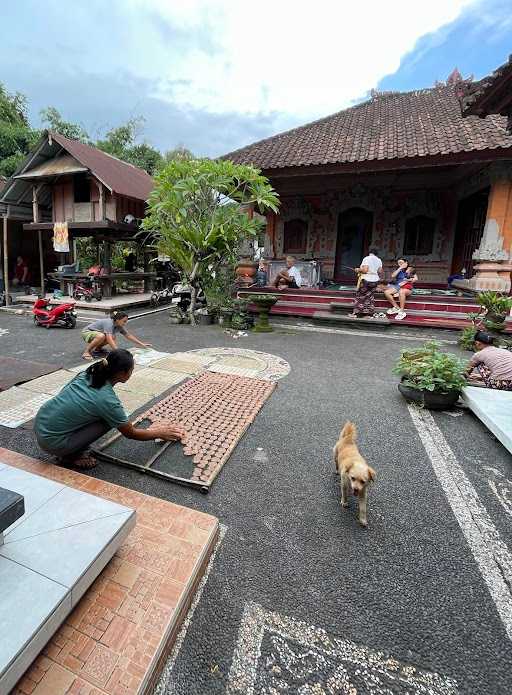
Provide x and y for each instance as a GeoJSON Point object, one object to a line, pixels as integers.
{"type": "Point", "coordinates": [408, 587]}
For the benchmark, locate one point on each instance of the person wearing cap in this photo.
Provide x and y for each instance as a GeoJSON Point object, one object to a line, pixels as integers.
{"type": "Point", "coordinates": [492, 364]}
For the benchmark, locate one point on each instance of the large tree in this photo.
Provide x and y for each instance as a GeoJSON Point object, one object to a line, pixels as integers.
{"type": "Point", "coordinates": [16, 135]}
{"type": "Point", "coordinates": [195, 212]}
{"type": "Point", "coordinates": [122, 143]}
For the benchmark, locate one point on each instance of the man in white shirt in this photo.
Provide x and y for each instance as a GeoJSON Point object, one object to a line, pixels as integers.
{"type": "Point", "coordinates": [290, 277]}
{"type": "Point", "coordinates": [370, 272]}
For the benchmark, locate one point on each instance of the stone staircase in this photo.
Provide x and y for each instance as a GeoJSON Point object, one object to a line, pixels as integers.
{"type": "Point", "coordinates": [332, 306]}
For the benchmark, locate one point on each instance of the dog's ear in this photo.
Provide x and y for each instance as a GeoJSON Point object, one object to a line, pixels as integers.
{"type": "Point", "coordinates": [371, 473]}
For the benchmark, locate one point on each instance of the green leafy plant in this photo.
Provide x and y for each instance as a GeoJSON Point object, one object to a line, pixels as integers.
{"type": "Point", "coordinates": [195, 212]}
{"type": "Point", "coordinates": [466, 339]}
{"type": "Point", "coordinates": [494, 308]}
{"type": "Point", "coordinates": [218, 286]}
{"type": "Point", "coordinates": [429, 369]}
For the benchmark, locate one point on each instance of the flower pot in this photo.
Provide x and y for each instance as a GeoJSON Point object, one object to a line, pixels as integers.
{"type": "Point", "coordinates": [204, 319]}
{"type": "Point", "coordinates": [245, 272]}
{"type": "Point", "coordinates": [225, 316]}
{"type": "Point", "coordinates": [429, 399]}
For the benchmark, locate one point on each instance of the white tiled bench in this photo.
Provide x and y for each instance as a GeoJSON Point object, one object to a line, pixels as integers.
{"type": "Point", "coordinates": [494, 409]}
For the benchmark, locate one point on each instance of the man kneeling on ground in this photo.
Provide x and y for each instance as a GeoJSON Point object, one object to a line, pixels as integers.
{"type": "Point", "coordinates": [494, 365]}
{"type": "Point", "coordinates": [290, 277]}
{"type": "Point", "coordinates": [102, 332]}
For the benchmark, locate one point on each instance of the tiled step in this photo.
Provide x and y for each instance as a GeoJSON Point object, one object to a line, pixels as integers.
{"type": "Point", "coordinates": [341, 318]}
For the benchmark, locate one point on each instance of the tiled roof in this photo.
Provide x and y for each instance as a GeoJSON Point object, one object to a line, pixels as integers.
{"type": "Point", "coordinates": [491, 95]}
{"type": "Point", "coordinates": [389, 126]}
{"type": "Point", "coordinates": [121, 177]}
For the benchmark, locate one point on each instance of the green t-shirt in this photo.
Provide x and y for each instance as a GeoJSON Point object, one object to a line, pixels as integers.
{"type": "Point", "coordinates": [78, 405]}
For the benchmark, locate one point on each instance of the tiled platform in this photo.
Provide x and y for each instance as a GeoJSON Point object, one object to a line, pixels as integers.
{"type": "Point", "coordinates": [49, 558]}
{"type": "Point", "coordinates": [494, 409]}
{"type": "Point", "coordinates": [117, 638]}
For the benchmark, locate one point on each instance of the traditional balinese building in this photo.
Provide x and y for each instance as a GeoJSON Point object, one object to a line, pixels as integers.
{"type": "Point", "coordinates": [85, 191]}
{"type": "Point", "coordinates": [406, 172]}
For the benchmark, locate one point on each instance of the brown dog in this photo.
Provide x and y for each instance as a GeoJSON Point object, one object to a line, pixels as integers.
{"type": "Point", "coordinates": [355, 473]}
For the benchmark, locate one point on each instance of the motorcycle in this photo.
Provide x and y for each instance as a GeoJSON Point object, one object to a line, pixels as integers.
{"type": "Point", "coordinates": [59, 315]}
{"type": "Point", "coordinates": [87, 290]}
{"type": "Point", "coordinates": [163, 295]}
{"type": "Point", "coordinates": [182, 296]}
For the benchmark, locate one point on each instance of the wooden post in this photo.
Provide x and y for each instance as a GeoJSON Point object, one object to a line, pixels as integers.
{"type": "Point", "coordinates": [41, 263]}
{"type": "Point", "coordinates": [6, 264]}
{"type": "Point", "coordinates": [35, 205]}
{"type": "Point", "coordinates": [102, 203]}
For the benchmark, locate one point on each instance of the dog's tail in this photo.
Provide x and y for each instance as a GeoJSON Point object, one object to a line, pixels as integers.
{"type": "Point", "coordinates": [349, 432]}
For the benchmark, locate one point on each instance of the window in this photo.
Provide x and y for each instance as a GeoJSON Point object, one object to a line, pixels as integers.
{"type": "Point", "coordinates": [419, 236]}
{"type": "Point", "coordinates": [295, 236]}
{"type": "Point", "coordinates": [82, 187]}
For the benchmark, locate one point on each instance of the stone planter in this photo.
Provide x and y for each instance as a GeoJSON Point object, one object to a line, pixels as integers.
{"type": "Point", "coordinates": [263, 304]}
{"type": "Point", "coordinates": [429, 399]}
{"type": "Point", "coordinates": [204, 319]}
{"type": "Point", "coordinates": [225, 316]}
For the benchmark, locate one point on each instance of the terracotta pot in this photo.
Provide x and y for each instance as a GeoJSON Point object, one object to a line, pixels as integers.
{"type": "Point", "coordinates": [246, 268]}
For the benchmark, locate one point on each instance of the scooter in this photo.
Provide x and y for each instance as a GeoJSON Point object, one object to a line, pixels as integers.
{"type": "Point", "coordinates": [59, 315]}
{"type": "Point", "coordinates": [182, 295]}
{"type": "Point", "coordinates": [87, 290]}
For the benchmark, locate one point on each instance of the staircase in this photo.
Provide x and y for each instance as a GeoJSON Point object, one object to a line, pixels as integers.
{"type": "Point", "coordinates": [332, 306]}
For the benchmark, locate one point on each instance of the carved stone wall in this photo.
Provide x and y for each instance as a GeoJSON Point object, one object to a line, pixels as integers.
{"type": "Point", "coordinates": [391, 209]}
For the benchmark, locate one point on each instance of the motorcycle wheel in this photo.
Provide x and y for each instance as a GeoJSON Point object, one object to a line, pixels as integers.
{"type": "Point", "coordinates": [48, 325]}
{"type": "Point", "coordinates": [76, 295]}
{"type": "Point", "coordinates": [98, 296]}
{"type": "Point", "coordinates": [36, 321]}
{"type": "Point", "coordinates": [153, 301]}
{"type": "Point", "coordinates": [88, 298]}
{"type": "Point", "coordinates": [71, 322]}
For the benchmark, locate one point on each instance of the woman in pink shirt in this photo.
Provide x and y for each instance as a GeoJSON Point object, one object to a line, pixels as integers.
{"type": "Point", "coordinates": [493, 364]}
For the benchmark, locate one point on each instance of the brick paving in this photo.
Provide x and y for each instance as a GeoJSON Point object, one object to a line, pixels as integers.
{"type": "Point", "coordinates": [113, 640]}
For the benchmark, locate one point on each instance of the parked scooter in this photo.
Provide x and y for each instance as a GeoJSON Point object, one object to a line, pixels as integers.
{"type": "Point", "coordinates": [59, 315]}
{"type": "Point", "coordinates": [182, 295]}
{"type": "Point", "coordinates": [87, 290]}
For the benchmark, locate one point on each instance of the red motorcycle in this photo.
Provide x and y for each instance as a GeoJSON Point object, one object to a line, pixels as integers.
{"type": "Point", "coordinates": [87, 290]}
{"type": "Point", "coordinates": [59, 315]}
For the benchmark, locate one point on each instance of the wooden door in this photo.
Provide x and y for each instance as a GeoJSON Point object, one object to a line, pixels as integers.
{"type": "Point", "coordinates": [471, 218]}
{"type": "Point", "coordinates": [354, 234]}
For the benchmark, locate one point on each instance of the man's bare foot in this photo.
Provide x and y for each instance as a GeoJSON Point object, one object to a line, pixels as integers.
{"type": "Point", "coordinates": [87, 356]}
{"type": "Point", "coordinates": [83, 462]}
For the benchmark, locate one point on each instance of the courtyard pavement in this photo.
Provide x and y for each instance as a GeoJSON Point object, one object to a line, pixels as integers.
{"type": "Point", "coordinates": [299, 598]}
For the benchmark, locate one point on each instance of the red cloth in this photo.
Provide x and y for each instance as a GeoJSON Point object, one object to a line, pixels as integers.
{"type": "Point", "coordinates": [407, 286]}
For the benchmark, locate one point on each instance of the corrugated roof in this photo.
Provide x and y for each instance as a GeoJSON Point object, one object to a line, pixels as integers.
{"type": "Point", "coordinates": [120, 177]}
{"type": "Point", "coordinates": [389, 126]}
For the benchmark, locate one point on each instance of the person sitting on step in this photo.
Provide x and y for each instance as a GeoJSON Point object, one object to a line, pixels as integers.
{"type": "Point", "coordinates": [405, 287]}
{"type": "Point", "coordinates": [290, 276]}
{"type": "Point", "coordinates": [492, 364]}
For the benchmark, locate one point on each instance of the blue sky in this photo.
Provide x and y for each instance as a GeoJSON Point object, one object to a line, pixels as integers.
{"type": "Point", "coordinates": [215, 75]}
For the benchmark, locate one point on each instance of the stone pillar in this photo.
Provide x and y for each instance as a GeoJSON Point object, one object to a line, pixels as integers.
{"type": "Point", "coordinates": [494, 254]}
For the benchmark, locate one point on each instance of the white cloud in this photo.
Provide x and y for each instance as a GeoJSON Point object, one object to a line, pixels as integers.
{"type": "Point", "coordinates": [278, 55]}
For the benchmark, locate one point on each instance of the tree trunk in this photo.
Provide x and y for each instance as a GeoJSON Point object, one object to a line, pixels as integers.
{"type": "Point", "coordinates": [193, 293]}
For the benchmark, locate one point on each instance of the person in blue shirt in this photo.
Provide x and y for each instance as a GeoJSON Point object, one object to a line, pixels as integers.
{"type": "Point", "coordinates": [87, 408]}
{"type": "Point", "coordinates": [393, 288]}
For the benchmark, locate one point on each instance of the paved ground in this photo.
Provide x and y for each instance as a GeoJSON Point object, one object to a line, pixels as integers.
{"type": "Point", "coordinates": [299, 598]}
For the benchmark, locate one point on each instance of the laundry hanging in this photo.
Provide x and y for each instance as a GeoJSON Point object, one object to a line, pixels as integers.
{"type": "Point", "coordinates": [61, 237]}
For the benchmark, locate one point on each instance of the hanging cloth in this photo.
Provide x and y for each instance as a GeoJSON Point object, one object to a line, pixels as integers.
{"type": "Point", "coordinates": [61, 237]}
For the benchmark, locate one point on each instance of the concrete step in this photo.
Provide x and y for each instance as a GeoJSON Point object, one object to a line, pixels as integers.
{"type": "Point", "coordinates": [340, 318]}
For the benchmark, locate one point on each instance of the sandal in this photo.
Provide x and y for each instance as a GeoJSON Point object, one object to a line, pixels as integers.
{"type": "Point", "coordinates": [84, 462]}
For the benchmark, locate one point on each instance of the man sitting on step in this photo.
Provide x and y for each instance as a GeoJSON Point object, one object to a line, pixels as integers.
{"type": "Point", "coordinates": [290, 276]}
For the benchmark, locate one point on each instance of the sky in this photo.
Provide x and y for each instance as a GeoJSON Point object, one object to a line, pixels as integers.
{"type": "Point", "coordinates": [215, 75]}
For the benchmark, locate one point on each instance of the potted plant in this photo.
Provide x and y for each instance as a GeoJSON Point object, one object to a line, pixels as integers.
{"type": "Point", "coordinates": [263, 303]}
{"type": "Point", "coordinates": [431, 378]}
{"type": "Point", "coordinates": [494, 308]}
{"type": "Point", "coordinates": [241, 320]}
{"type": "Point", "coordinates": [203, 316]}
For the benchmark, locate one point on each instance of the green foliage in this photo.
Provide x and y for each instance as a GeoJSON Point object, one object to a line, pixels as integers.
{"type": "Point", "coordinates": [495, 302]}
{"type": "Point", "coordinates": [466, 339]}
{"type": "Point", "coordinates": [219, 286]}
{"type": "Point", "coordinates": [16, 135]}
{"type": "Point", "coordinates": [121, 143]}
{"type": "Point", "coordinates": [53, 120]}
{"type": "Point", "coordinates": [195, 213]}
{"type": "Point", "coordinates": [429, 369]}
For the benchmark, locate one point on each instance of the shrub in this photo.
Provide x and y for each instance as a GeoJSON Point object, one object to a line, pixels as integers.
{"type": "Point", "coordinates": [429, 369]}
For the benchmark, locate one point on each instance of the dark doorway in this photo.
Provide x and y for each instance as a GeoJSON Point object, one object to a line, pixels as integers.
{"type": "Point", "coordinates": [469, 230]}
{"type": "Point", "coordinates": [354, 234]}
